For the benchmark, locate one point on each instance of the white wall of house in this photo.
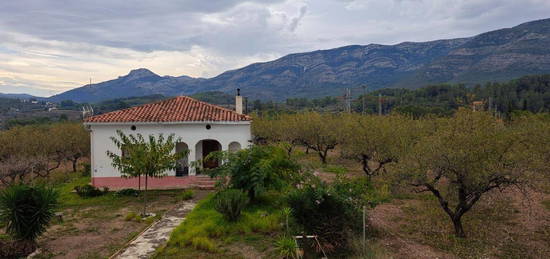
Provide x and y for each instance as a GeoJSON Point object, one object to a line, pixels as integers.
{"type": "Point", "coordinates": [226, 133]}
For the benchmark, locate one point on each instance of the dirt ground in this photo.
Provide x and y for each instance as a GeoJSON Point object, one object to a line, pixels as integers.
{"type": "Point", "coordinates": [521, 230]}
{"type": "Point", "coordinates": [99, 231]}
{"type": "Point", "coordinates": [508, 224]}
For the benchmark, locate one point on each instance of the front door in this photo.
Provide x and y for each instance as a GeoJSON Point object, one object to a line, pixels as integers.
{"type": "Point", "coordinates": [209, 146]}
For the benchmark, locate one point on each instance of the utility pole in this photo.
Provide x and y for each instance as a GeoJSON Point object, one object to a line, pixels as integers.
{"type": "Point", "coordinates": [349, 100]}
{"type": "Point", "coordinates": [380, 104]}
{"type": "Point", "coordinates": [364, 98]}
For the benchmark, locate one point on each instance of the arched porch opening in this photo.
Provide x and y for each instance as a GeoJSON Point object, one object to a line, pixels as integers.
{"type": "Point", "coordinates": [234, 146]}
{"type": "Point", "coordinates": [182, 166]}
{"type": "Point", "coordinates": [204, 148]}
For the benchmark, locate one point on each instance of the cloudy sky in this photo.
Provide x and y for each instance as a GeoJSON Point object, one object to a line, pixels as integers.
{"type": "Point", "coordinates": [50, 46]}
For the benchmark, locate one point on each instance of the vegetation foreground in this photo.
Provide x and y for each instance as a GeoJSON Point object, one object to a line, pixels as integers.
{"type": "Point", "coordinates": [470, 185]}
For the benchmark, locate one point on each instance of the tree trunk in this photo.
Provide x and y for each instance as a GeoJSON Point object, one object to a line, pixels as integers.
{"type": "Point", "coordinates": [459, 231]}
{"type": "Point", "coordinates": [139, 182]}
{"type": "Point", "coordinates": [74, 161]}
{"type": "Point", "coordinates": [145, 198]}
{"type": "Point", "coordinates": [323, 156]}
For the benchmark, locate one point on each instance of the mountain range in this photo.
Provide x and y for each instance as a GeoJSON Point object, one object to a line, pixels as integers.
{"type": "Point", "coordinates": [493, 56]}
{"type": "Point", "coordinates": [19, 96]}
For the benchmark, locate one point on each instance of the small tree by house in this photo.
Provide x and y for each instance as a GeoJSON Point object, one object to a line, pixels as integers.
{"type": "Point", "coordinates": [150, 157]}
{"type": "Point", "coordinates": [468, 156]}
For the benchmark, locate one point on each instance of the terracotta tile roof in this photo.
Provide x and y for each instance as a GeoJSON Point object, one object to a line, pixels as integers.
{"type": "Point", "coordinates": [176, 109]}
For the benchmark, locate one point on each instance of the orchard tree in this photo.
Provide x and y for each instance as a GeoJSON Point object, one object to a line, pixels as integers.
{"type": "Point", "coordinates": [37, 146]}
{"type": "Point", "coordinates": [279, 130]}
{"type": "Point", "coordinates": [319, 132]}
{"type": "Point", "coordinates": [468, 155]}
{"type": "Point", "coordinates": [377, 141]}
{"type": "Point", "coordinates": [150, 157]}
{"type": "Point", "coordinates": [74, 140]}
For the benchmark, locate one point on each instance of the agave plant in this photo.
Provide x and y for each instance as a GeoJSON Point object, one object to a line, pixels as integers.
{"type": "Point", "coordinates": [287, 247]}
{"type": "Point", "coordinates": [27, 210]}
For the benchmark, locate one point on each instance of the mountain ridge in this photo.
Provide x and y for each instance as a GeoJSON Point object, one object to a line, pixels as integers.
{"type": "Point", "coordinates": [492, 56]}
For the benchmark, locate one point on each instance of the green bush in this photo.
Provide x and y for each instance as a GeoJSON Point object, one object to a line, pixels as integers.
{"type": "Point", "coordinates": [87, 191]}
{"type": "Point", "coordinates": [256, 169]}
{"type": "Point", "coordinates": [186, 195]}
{"type": "Point", "coordinates": [324, 212]}
{"type": "Point", "coordinates": [87, 169]}
{"type": "Point", "coordinates": [286, 247]}
{"type": "Point", "coordinates": [130, 216]}
{"type": "Point", "coordinates": [230, 203]}
{"type": "Point", "coordinates": [27, 210]}
{"type": "Point", "coordinates": [360, 191]}
{"type": "Point", "coordinates": [128, 192]}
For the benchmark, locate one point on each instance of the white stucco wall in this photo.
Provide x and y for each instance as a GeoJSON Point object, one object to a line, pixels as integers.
{"type": "Point", "coordinates": [190, 133]}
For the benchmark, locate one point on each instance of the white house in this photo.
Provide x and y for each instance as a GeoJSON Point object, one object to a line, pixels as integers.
{"type": "Point", "coordinates": [201, 127]}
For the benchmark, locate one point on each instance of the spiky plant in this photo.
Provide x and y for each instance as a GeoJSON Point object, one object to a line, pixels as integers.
{"type": "Point", "coordinates": [27, 210]}
{"type": "Point", "coordinates": [287, 247]}
{"type": "Point", "coordinates": [230, 203]}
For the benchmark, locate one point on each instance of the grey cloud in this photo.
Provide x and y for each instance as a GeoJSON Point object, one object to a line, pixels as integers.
{"type": "Point", "coordinates": [140, 25]}
{"type": "Point", "coordinates": [215, 35]}
{"type": "Point", "coordinates": [296, 20]}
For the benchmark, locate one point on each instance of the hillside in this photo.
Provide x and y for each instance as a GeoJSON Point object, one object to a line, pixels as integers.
{"type": "Point", "coordinates": [493, 56]}
{"type": "Point", "coordinates": [19, 96]}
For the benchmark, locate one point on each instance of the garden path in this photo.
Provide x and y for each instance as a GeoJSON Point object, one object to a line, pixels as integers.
{"type": "Point", "coordinates": [147, 242]}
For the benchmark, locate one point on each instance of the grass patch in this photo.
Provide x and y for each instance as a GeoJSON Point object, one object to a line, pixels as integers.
{"type": "Point", "coordinates": [109, 201]}
{"type": "Point", "coordinates": [546, 204]}
{"type": "Point", "coordinates": [185, 195]}
{"type": "Point", "coordinates": [336, 169]}
{"type": "Point", "coordinates": [427, 223]}
{"type": "Point", "coordinates": [206, 230]}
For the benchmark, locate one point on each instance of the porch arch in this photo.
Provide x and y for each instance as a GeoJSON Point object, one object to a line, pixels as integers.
{"type": "Point", "coordinates": [203, 148]}
{"type": "Point", "coordinates": [234, 146]}
{"type": "Point", "coordinates": [182, 165]}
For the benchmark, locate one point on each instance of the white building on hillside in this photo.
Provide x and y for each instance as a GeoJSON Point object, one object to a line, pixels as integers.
{"type": "Point", "coordinates": [202, 128]}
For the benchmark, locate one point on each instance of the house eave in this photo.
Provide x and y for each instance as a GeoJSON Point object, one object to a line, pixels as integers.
{"type": "Point", "coordinates": [168, 123]}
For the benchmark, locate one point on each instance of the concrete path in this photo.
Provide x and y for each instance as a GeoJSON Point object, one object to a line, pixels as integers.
{"type": "Point", "coordinates": [144, 246]}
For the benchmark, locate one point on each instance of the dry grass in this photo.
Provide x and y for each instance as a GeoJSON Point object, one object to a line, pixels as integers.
{"type": "Point", "coordinates": [500, 226]}
{"type": "Point", "coordinates": [97, 227]}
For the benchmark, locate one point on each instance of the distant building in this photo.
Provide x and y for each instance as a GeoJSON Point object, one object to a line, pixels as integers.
{"type": "Point", "coordinates": [478, 105]}
{"type": "Point", "coordinates": [202, 127]}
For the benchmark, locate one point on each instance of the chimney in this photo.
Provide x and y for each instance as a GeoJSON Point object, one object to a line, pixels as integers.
{"type": "Point", "coordinates": [239, 102]}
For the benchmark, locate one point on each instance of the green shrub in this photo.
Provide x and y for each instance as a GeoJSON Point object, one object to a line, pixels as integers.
{"type": "Point", "coordinates": [186, 195]}
{"type": "Point", "coordinates": [87, 191]}
{"type": "Point", "coordinates": [256, 169]}
{"type": "Point", "coordinates": [324, 212]}
{"type": "Point", "coordinates": [360, 191]}
{"type": "Point", "coordinates": [27, 210]}
{"type": "Point", "coordinates": [128, 192]}
{"type": "Point", "coordinates": [230, 203]}
{"type": "Point", "coordinates": [130, 216]}
{"type": "Point", "coordinates": [286, 247]}
{"type": "Point", "coordinates": [87, 169]}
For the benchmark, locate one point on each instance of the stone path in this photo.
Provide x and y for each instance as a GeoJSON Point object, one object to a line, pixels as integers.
{"type": "Point", "coordinates": [145, 245]}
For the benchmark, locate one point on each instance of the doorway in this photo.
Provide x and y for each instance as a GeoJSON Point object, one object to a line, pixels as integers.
{"type": "Point", "coordinates": [209, 146]}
